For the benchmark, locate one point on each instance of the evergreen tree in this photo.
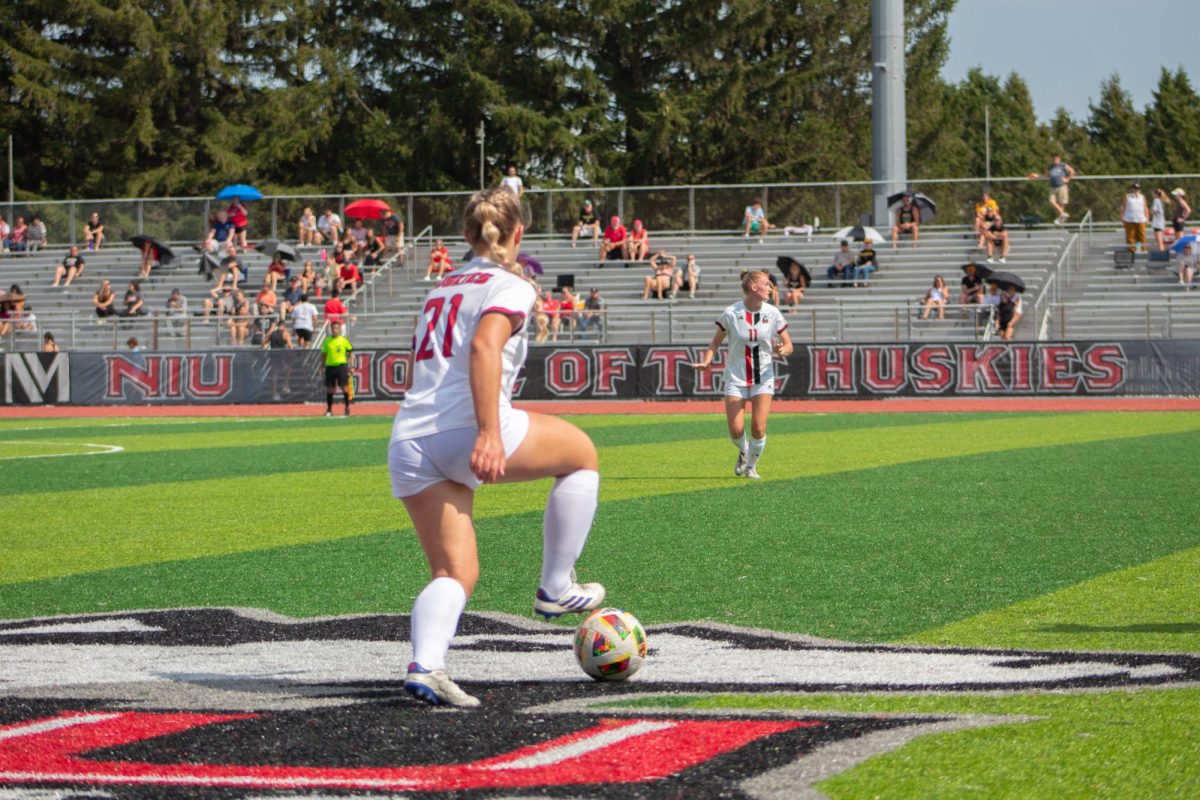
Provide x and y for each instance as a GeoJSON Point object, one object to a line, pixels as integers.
{"type": "Point", "coordinates": [1117, 132]}
{"type": "Point", "coordinates": [1173, 125]}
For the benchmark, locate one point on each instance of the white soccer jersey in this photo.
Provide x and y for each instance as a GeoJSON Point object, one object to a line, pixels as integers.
{"type": "Point", "coordinates": [748, 362]}
{"type": "Point", "coordinates": [440, 397]}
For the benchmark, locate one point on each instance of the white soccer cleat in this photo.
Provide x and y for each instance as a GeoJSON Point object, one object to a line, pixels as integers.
{"type": "Point", "coordinates": [578, 598]}
{"type": "Point", "coordinates": [739, 468]}
{"type": "Point", "coordinates": [435, 688]}
{"type": "Point", "coordinates": [752, 474]}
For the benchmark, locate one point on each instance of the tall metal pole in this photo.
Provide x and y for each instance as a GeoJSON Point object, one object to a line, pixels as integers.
{"type": "Point", "coordinates": [479, 137]}
{"type": "Point", "coordinates": [10, 180]}
{"type": "Point", "coordinates": [987, 146]}
{"type": "Point", "coordinates": [889, 152]}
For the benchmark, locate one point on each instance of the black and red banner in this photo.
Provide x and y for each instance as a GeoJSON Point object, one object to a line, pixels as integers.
{"type": "Point", "coordinates": [1122, 368]}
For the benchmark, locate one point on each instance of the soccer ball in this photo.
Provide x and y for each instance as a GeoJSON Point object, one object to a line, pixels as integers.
{"type": "Point", "coordinates": [610, 645]}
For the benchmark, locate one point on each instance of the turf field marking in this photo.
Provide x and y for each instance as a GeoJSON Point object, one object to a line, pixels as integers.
{"type": "Point", "coordinates": [102, 449]}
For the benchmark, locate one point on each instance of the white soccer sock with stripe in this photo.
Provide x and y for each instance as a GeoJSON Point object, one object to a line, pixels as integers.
{"type": "Point", "coordinates": [739, 442]}
{"type": "Point", "coordinates": [756, 449]}
{"type": "Point", "coordinates": [435, 619]}
{"type": "Point", "coordinates": [565, 528]}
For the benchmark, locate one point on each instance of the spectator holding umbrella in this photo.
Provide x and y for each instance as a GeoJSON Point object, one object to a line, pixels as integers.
{"type": "Point", "coordinates": [153, 252]}
{"type": "Point", "coordinates": [796, 278]}
{"type": "Point", "coordinates": [972, 283]}
{"type": "Point", "coordinates": [1009, 308]}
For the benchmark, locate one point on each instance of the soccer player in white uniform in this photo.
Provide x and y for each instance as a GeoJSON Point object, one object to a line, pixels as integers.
{"type": "Point", "coordinates": [757, 334]}
{"type": "Point", "coordinates": [457, 429]}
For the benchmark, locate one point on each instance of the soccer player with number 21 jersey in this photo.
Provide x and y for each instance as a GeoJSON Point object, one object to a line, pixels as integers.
{"type": "Point", "coordinates": [757, 335]}
{"type": "Point", "coordinates": [457, 429]}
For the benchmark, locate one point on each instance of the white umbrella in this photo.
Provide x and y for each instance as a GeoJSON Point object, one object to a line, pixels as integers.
{"type": "Point", "coordinates": [858, 233]}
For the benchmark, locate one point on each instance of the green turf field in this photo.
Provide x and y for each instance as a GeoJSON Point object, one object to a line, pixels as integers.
{"type": "Point", "coordinates": [1039, 531]}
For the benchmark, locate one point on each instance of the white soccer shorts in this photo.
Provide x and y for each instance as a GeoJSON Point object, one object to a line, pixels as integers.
{"type": "Point", "coordinates": [417, 464]}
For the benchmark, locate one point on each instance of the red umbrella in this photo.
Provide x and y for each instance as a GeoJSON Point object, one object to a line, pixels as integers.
{"type": "Point", "coordinates": [368, 209]}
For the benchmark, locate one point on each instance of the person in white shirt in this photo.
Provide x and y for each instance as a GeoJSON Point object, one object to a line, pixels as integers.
{"type": "Point", "coordinates": [1133, 217]}
{"type": "Point", "coordinates": [457, 430]}
{"type": "Point", "coordinates": [757, 334]}
{"type": "Point", "coordinates": [512, 181]}
{"type": "Point", "coordinates": [304, 318]}
{"type": "Point", "coordinates": [330, 226]}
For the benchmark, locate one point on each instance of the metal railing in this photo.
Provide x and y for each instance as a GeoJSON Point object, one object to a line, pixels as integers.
{"type": "Point", "coordinates": [1165, 318]}
{"type": "Point", "coordinates": [553, 211]}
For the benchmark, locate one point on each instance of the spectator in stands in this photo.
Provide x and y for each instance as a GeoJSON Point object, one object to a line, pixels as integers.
{"type": "Point", "coordinates": [1133, 217]}
{"type": "Point", "coordinates": [541, 320]}
{"type": "Point", "coordinates": [373, 256]}
{"type": "Point", "coordinates": [277, 270]}
{"type": "Point", "coordinates": [865, 263]}
{"type": "Point", "coordinates": [309, 235]}
{"type": "Point", "coordinates": [662, 276]}
{"type": "Point", "coordinates": [1059, 175]}
{"type": "Point", "coordinates": [310, 281]}
{"type": "Point", "coordinates": [1182, 211]}
{"type": "Point", "coordinates": [177, 310]}
{"type": "Point", "coordinates": [329, 225]}
{"type": "Point", "coordinates": [755, 220]}
{"type": "Point", "coordinates": [304, 320]}
{"type": "Point", "coordinates": [239, 321]}
{"type": "Point", "coordinates": [987, 205]}
{"type": "Point", "coordinates": [135, 352]}
{"type": "Point", "coordinates": [35, 236]}
{"type": "Point", "coordinates": [613, 243]}
{"type": "Point", "coordinates": [995, 235]}
{"type": "Point", "coordinates": [393, 235]}
{"type": "Point", "coordinates": [439, 259]}
{"type": "Point", "coordinates": [638, 243]}
{"type": "Point", "coordinates": [972, 286]}
{"type": "Point", "coordinates": [220, 233]}
{"type": "Point", "coordinates": [291, 296]}
{"type": "Point", "coordinates": [335, 309]}
{"type": "Point", "coordinates": [1187, 266]}
{"type": "Point", "coordinates": [350, 280]}
{"type": "Point", "coordinates": [794, 285]}
{"type": "Point", "coordinates": [687, 277]}
{"type": "Point", "coordinates": [512, 181]}
{"type": "Point", "coordinates": [241, 222]}
{"type": "Point", "coordinates": [1009, 312]}
{"type": "Point", "coordinates": [278, 338]}
{"type": "Point", "coordinates": [135, 304]}
{"type": "Point", "coordinates": [266, 301]}
{"type": "Point", "coordinates": [569, 306]}
{"type": "Point", "coordinates": [150, 257]}
{"type": "Point", "coordinates": [70, 268]}
{"type": "Point", "coordinates": [588, 221]}
{"type": "Point", "coordinates": [937, 297]}
{"type": "Point", "coordinates": [93, 232]}
{"type": "Point", "coordinates": [104, 300]}
{"type": "Point", "coordinates": [908, 220]}
{"type": "Point", "coordinates": [592, 316]}
{"type": "Point", "coordinates": [1158, 217]}
{"type": "Point", "coordinates": [48, 343]}
{"type": "Point", "coordinates": [220, 303]}
{"type": "Point", "coordinates": [5, 231]}
{"type": "Point", "coordinates": [551, 307]}
{"type": "Point", "coordinates": [358, 239]}
{"type": "Point", "coordinates": [16, 237]}
{"type": "Point", "coordinates": [842, 268]}
{"type": "Point", "coordinates": [991, 300]}
{"type": "Point", "coordinates": [12, 309]}
{"type": "Point", "coordinates": [231, 270]}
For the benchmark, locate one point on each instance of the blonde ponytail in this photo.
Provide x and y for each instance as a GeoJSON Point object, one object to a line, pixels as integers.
{"type": "Point", "coordinates": [749, 276]}
{"type": "Point", "coordinates": [492, 217]}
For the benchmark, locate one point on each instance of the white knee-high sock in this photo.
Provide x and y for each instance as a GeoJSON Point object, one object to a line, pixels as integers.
{"type": "Point", "coordinates": [565, 528]}
{"type": "Point", "coordinates": [756, 449]}
{"type": "Point", "coordinates": [435, 619]}
{"type": "Point", "coordinates": [739, 442]}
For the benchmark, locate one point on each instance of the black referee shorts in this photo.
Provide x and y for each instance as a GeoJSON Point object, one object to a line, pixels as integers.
{"type": "Point", "coordinates": [337, 376]}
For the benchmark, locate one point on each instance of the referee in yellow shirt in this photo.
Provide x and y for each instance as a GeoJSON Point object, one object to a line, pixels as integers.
{"type": "Point", "coordinates": [337, 369]}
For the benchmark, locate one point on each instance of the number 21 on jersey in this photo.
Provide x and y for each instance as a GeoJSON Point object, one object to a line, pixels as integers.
{"type": "Point", "coordinates": [431, 316]}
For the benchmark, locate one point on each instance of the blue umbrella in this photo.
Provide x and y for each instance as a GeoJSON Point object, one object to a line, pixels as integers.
{"type": "Point", "coordinates": [240, 191]}
{"type": "Point", "coordinates": [1183, 241]}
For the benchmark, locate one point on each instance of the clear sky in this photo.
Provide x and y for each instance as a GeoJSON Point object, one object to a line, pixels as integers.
{"type": "Point", "coordinates": [1064, 48]}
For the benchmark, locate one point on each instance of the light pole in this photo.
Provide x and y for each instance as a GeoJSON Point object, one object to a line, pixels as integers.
{"type": "Point", "coordinates": [479, 139]}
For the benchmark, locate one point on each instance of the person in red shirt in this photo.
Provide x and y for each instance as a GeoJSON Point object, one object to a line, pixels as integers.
{"type": "Point", "coordinates": [276, 270]}
{"type": "Point", "coordinates": [335, 309]}
{"type": "Point", "coordinates": [349, 278]}
{"type": "Point", "coordinates": [638, 246]}
{"type": "Point", "coordinates": [614, 242]}
{"type": "Point", "coordinates": [439, 259]}
{"type": "Point", "coordinates": [552, 308]}
{"type": "Point", "coordinates": [237, 215]}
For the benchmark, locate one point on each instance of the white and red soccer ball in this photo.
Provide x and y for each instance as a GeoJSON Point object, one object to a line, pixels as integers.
{"type": "Point", "coordinates": [610, 644]}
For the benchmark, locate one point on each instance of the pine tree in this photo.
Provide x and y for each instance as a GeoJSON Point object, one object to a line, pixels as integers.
{"type": "Point", "coordinates": [1117, 132]}
{"type": "Point", "coordinates": [1173, 125]}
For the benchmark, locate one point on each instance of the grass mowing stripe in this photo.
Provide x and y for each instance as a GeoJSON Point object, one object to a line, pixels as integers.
{"type": "Point", "coordinates": [1148, 607]}
{"type": "Point", "coordinates": [867, 556]}
{"type": "Point", "coordinates": [1110, 744]}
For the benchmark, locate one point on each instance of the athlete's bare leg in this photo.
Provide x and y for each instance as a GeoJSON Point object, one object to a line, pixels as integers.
{"type": "Point", "coordinates": [552, 448]}
{"type": "Point", "coordinates": [441, 516]}
{"type": "Point", "coordinates": [760, 410]}
{"type": "Point", "coordinates": [735, 416]}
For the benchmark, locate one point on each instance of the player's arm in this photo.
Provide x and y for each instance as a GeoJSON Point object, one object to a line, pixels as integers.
{"type": "Point", "coordinates": [487, 459]}
{"type": "Point", "coordinates": [711, 352]}
{"type": "Point", "coordinates": [783, 348]}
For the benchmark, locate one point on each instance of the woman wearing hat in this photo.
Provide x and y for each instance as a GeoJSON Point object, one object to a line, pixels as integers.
{"type": "Point", "coordinates": [1182, 211]}
{"type": "Point", "coordinates": [1133, 217]}
{"type": "Point", "coordinates": [1158, 217]}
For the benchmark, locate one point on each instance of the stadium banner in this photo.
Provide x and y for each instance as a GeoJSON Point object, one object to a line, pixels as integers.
{"type": "Point", "coordinates": [596, 372]}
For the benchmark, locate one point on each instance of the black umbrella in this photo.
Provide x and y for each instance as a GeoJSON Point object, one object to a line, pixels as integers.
{"type": "Point", "coordinates": [270, 247]}
{"type": "Point", "coordinates": [927, 208]}
{"type": "Point", "coordinates": [165, 254]}
{"type": "Point", "coordinates": [209, 264]}
{"type": "Point", "coordinates": [1006, 279]}
{"type": "Point", "coordinates": [785, 266]}
{"type": "Point", "coordinates": [981, 271]}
